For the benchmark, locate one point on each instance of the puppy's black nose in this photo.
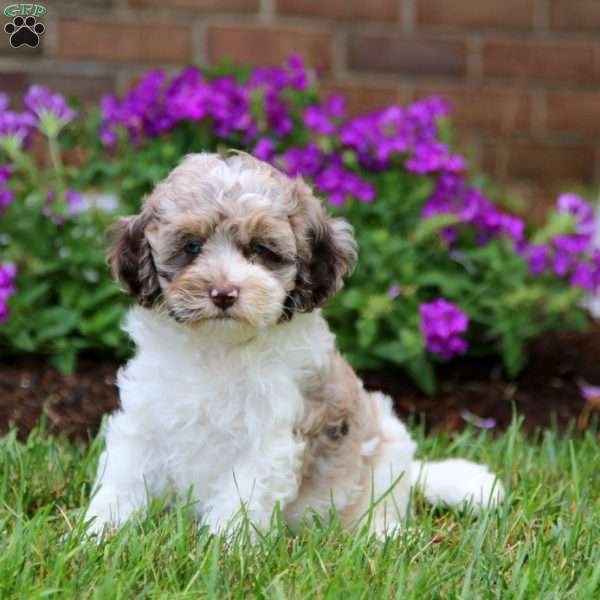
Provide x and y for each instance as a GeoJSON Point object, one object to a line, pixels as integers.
{"type": "Point", "coordinates": [223, 295]}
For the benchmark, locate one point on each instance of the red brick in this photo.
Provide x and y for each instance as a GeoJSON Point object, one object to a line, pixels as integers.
{"type": "Point", "coordinates": [575, 15]}
{"type": "Point", "coordinates": [490, 159]}
{"type": "Point", "coordinates": [80, 86]}
{"type": "Point", "coordinates": [262, 46]}
{"type": "Point", "coordinates": [531, 200]}
{"type": "Point", "coordinates": [361, 99]}
{"type": "Point", "coordinates": [91, 3]}
{"type": "Point", "coordinates": [573, 112]}
{"type": "Point", "coordinates": [551, 162]}
{"type": "Point", "coordinates": [468, 143]}
{"type": "Point", "coordinates": [238, 6]}
{"type": "Point", "coordinates": [401, 55]}
{"type": "Point", "coordinates": [382, 10]}
{"type": "Point", "coordinates": [13, 84]}
{"type": "Point", "coordinates": [513, 14]}
{"type": "Point", "coordinates": [123, 42]}
{"type": "Point", "coordinates": [499, 111]}
{"type": "Point", "coordinates": [541, 61]}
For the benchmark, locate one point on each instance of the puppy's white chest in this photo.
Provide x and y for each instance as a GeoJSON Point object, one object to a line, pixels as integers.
{"type": "Point", "coordinates": [223, 418]}
{"type": "Point", "coordinates": [200, 409]}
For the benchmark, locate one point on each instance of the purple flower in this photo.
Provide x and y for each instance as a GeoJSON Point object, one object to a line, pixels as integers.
{"type": "Point", "coordinates": [337, 183]}
{"type": "Point", "coordinates": [277, 78]}
{"type": "Point", "coordinates": [298, 77]}
{"type": "Point", "coordinates": [321, 118]}
{"type": "Point", "coordinates": [264, 149]}
{"type": "Point", "coordinates": [452, 195]}
{"type": "Point", "coordinates": [6, 195]}
{"type": "Point", "coordinates": [568, 250]}
{"type": "Point", "coordinates": [512, 227]}
{"type": "Point", "coordinates": [434, 156]}
{"type": "Point", "coordinates": [7, 288]}
{"type": "Point", "coordinates": [595, 264]}
{"type": "Point", "coordinates": [582, 211]}
{"type": "Point", "coordinates": [46, 105]}
{"type": "Point", "coordinates": [187, 97]}
{"type": "Point", "coordinates": [305, 161]}
{"type": "Point", "coordinates": [394, 291]}
{"type": "Point", "coordinates": [317, 119]}
{"type": "Point", "coordinates": [277, 114]}
{"type": "Point", "coordinates": [75, 204]}
{"type": "Point", "coordinates": [74, 200]}
{"type": "Point", "coordinates": [443, 324]}
{"type": "Point", "coordinates": [561, 263]}
{"type": "Point", "coordinates": [476, 421]}
{"type": "Point", "coordinates": [229, 107]}
{"type": "Point", "coordinates": [378, 136]}
{"type": "Point", "coordinates": [5, 172]}
{"type": "Point", "coordinates": [139, 113]}
{"type": "Point", "coordinates": [537, 259]}
{"type": "Point", "coordinates": [19, 126]}
{"type": "Point", "coordinates": [583, 277]}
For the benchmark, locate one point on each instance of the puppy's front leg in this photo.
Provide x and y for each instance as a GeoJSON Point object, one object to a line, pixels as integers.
{"type": "Point", "coordinates": [120, 492]}
{"type": "Point", "coordinates": [267, 475]}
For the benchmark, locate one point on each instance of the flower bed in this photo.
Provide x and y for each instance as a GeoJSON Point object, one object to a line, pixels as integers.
{"type": "Point", "coordinates": [443, 270]}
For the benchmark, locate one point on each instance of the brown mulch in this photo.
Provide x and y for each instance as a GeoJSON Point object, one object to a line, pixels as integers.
{"type": "Point", "coordinates": [548, 392]}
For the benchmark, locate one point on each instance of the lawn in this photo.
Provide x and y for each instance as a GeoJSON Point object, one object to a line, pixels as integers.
{"type": "Point", "coordinates": [542, 543]}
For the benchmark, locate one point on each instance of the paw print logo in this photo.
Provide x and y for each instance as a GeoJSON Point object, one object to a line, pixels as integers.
{"type": "Point", "coordinates": [24, 32]}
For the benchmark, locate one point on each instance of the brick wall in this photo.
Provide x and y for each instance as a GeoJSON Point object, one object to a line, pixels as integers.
{"type": "Point", "coordinates": [523, 75]}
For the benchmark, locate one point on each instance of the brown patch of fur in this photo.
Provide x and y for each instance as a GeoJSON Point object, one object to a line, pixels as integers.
{"type": "Point", "coordinates": [130, 258]}
{"type": "Point", "coordinates": [326, 251]}
{"type": "Point", "coordinates": [338, 419]}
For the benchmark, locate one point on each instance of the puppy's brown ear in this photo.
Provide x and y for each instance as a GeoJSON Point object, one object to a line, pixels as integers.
{"type": "Point", "coordinates": [326, 252]}
{"type": "Point", "coordinates": [130, 258]}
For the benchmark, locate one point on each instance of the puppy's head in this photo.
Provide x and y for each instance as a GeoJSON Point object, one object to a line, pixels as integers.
{"type": "Point", "coordinates": [233, 242]}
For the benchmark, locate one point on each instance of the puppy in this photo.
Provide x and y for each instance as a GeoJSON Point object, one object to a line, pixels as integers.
{"type": "Point", "coordinates": [236, 395]}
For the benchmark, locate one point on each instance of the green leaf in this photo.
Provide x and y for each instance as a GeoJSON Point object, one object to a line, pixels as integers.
{"type": "Point", "coordinates": [22, 340]}
{"type": "Point", "coordinates": [558, 224]}
{"type": "Point", "coordinates": [431, 226]}
{"type": "Point", "coordinates": [366, 329]}
{"type": "Point", "coordinates": [64, 362]}
{"type": "Point", "coordinates": [421, 371]}
{"type": "Point", "coordinates": [513, 354]}
{"type": "Point", "coordinates": [107, 318]}
{"type": "Point", "coordinates": [56, 322]}
{"type": "Point", "coordinates": [394, 351]}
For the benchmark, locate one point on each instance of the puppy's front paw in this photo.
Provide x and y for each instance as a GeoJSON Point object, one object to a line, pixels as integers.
{"type": "Point", "coordinates": [98, 525]}
{"type": "Point", "coordinates": [226, 522]}
{"type": "Point", "coordinates": [389, 529]}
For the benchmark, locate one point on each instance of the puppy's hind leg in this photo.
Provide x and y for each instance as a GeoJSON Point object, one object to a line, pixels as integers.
{"type": "Point", "coordinates": [391, 462]}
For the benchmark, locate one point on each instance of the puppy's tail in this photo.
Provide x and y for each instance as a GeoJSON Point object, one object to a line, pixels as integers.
{"type": "Point", "coordinates": [457, 482]}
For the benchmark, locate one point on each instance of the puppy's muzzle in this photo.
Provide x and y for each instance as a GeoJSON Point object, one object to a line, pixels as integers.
{"type": "Point", "coordinates": [223, 295]}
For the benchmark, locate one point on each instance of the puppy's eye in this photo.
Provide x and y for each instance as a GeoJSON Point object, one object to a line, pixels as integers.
{"type": "Point", "coordinates": [193, 248]}
{"type": "Point", "coordinates": [264, 251]}
{"type": "Point", "coordinates": [260, 249]}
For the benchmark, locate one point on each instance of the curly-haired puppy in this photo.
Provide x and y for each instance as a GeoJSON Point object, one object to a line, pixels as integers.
{"type": "Point", "coordinates": [237, 395]}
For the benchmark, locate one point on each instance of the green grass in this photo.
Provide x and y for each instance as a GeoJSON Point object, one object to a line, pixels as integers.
{"type": "Point", "coordinates": [543, 543]}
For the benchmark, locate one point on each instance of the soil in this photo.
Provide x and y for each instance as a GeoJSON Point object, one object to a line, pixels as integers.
{"type": "Point", "coordinates": [547, 393]}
